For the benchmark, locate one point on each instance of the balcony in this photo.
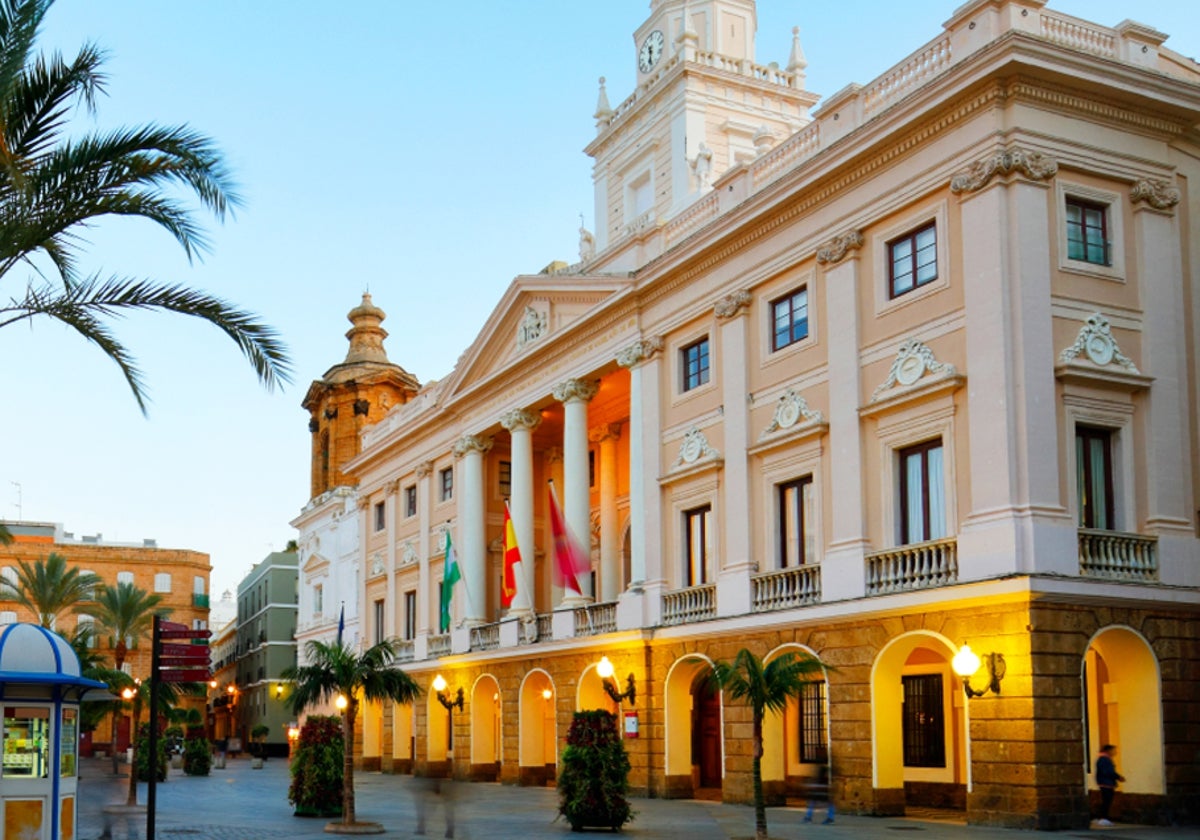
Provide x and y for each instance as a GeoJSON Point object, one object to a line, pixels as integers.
{"type": "Point", "coordinates": [595, 619]}
{"type": "Point", "coordinates": [200, 601]}
{"type": "Point", "coordinates": [917, 566]}
{"type": "Point", "coordinates": [786, 588]}
{"type": "Point", "coordinates": [485, 636]}
{"type": "Point", "coordinates": [1114, 555]}
{"type": "Point", "coordinates": [405, 650]}
{"type": "Point", "coordinates": [439, 645]}
{"type": "Point", "coordinates": [696, 603]}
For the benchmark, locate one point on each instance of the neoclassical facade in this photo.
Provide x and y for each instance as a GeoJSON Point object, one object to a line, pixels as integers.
{"type": "Point", "coordinates": [913, 371]}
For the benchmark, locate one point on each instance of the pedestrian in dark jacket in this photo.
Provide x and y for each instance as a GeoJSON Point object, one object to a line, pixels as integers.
{"type": "Point", "coordinates": [1107, 778]}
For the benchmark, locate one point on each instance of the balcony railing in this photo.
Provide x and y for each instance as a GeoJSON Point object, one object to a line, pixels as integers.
{"type": "Point", "coordinates": [695, 603]}
{"type": "Point", "coordinates": [405, 650]}
{"type": "Point", "coordinates": [786, 588]}
{"type": "Point", "coordinates": [595, 619]}
{"type": "Point", "coordinates": [439, 645]}
{"type": "Point", "coordinates": [485, 636]}
{"type": "Point", "coordinates": [200, 601]}
{"type": "Point", "coordinates": [1115, 555]}
{"type": "Point", "coordinates": [917, 566]}
{"type": "Point", "coordinates": [545, 627]}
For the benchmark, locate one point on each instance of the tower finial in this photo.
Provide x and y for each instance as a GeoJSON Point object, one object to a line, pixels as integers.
{"type": "Point", "coordinates": [603, 109]}
{"type": "Point", "coordinates": [797, 62]}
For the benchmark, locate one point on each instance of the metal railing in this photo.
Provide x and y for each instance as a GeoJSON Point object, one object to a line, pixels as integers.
{"type": "Point", "coordinates": [786, 588]}
{"type": "Point", "coordinates": [696, 603]}
{"type": "Point", "coordinates": [916, 566]}
{"type": "Point", "coordinates": [1116, 555]}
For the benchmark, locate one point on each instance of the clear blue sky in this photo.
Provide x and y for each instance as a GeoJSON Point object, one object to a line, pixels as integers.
{"type": "Point", "coordinates": [430, 151]}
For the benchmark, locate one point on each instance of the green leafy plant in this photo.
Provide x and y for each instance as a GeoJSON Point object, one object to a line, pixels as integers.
{"type": "Point", "coordinates": [316, 788]}
{"type": "Point", "coordinates": [257, 735]}
{"type": "Point", "coordinates": [594, 780]}
{"type": "Point", "coordinates": [141, 753]}
{"type": "Point", "coordinates": [197, 757]}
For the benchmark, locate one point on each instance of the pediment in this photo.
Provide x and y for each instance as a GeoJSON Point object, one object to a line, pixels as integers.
{"type": "Point", "coordinates": [535, 311]}
{"type": "Point", "coordinates": [315, 563]}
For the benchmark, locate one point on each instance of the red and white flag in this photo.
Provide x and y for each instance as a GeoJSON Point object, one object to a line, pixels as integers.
{"type": "Point", "coordinates": [570, 559]}
{"type": "Point", "coordinates": [512, 556]}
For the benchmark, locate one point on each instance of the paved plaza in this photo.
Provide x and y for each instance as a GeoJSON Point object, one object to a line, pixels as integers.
{"type": "Point", "coordinates": [238, 803]}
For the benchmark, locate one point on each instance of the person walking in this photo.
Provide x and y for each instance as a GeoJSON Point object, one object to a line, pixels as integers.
{"type": "Point", "coordinates": [819, 793]}
{"type": "Point", "coordinates": [1107, 778]}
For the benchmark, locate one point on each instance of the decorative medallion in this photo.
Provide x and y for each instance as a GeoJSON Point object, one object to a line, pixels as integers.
{"type": "Point", "coordinates": [1158, 194]}
{"type": "Point", "coordinates": [533, 326]}
{"type": "Point", "coordinates": [733, 305]}
{"type": "Point", "coordinates": [377, 563]}
{"type": "Point", "coordinates": [913, 360]}
{"type": "Point", "coordinates": [835, 250]}
{"type": "Point", "coordinates": [1095, 340]}
{"type": "Point", "coordinates": [694, 447]}
{"type": "Point", "coordinates": [788, 411]}
{"type": "Point", "coordinates": [1033, 165]}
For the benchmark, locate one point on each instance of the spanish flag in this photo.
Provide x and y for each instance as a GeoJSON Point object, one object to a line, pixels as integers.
{"type": "Point", "coordinates": [512, 556]}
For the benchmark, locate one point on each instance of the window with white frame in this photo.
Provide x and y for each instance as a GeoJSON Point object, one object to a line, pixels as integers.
{"type": "Point", "coordinates": [796, 539]}
{"type": "Point", "coordinates": [1090, 231]}
{"type": "Point", "coordinates": [85, 627]}
{"type": "Point", "coordinates": [91, 593]}
{"type": "Point", "coordinates": [8, 617]}
{"type": "Point", "coordinates": [922, 493]}
{"type": "Point", "coordinates": [318, 592]}
{"type": "Point", "coordinates": [694, 361]}
{"type": "Point", "coordinates": [162, 581]}
{"type": "Point", "coordinates": [198, 585]}
{"type": "Point", "coordinates": [697, 544]}
{"type": "Point", "coordinates": [124, 577]}
{"type": "Point", "coordinates": [1087, 231]}
{"type": "Point", "coordinates": [410, 614]}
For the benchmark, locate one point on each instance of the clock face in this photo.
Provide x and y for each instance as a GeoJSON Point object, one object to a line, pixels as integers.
{"type": "Point", "coordinates": [651, 51]}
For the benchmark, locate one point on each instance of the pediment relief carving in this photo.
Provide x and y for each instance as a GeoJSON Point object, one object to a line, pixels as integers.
{"type": "Point", "coordinates": [408, 553]}
{"type": "Point", "coordinates": [914, 366]}
{"type": "Point", "coordinates": [315, 563]}
{"type": "Point", "coordinates": [377, 564]}
{"type": "Point", "coordinates": [1096, 356]}
{"type": "Point", "coordinates": [696, 455]}
{"type": "Point", "coordinates": [793, 419]}
{"type": "Point", "coordinates": [1033, 165]}
{"type": "Point", "coordinates": [533, 325]}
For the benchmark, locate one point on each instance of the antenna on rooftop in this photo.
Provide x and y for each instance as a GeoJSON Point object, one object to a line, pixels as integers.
{"type": "Point", "coordinates": [20, 515]}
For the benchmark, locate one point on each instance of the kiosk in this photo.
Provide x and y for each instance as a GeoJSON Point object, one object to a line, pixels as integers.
{"type": "Point", "coordinates": [40, 691]}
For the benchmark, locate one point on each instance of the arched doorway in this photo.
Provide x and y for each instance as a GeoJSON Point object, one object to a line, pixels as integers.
{"type": "Point", "coordinates": [694, 743]}
{"type": "Point", "coordinates": [486, 741]}
{"type": "Point", "coordinates": [796, 741]}
{"type": "Point", "coordinates": [538, 740]}
{"type": "Point", "coordinates": [919, 719]}
{"type": "Point", "coordinates": [402, 737]}
{"type": "Point", "coordinates": [1123, 707]}
{"type": "Point", "coordinates": [591, 693]}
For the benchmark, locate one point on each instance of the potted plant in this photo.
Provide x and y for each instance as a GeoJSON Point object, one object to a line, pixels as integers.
{"type": "Point", "coordinates": [316, 789]}
{"type": "Point", "coordinates": [594, 778]}
{"type": "Point", "coordinates": [173, 736]}
{"type": "Point", "coordinates": [141, 753]}
{"type": "Point", "coordinates": [258, 749]}
{"type": "Point", "coordinates": [197, 756]}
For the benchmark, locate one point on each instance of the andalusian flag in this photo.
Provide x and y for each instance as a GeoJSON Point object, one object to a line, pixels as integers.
{"type": "Point", "coordinates": [512, 556]}
{"type": "Point", "coordinates": [450, 576]}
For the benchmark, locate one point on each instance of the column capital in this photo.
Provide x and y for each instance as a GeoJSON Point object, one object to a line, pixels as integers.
{"type": "Point", "coordinates": [467, 444]}
{"type": "Point", "coordinates": [362, 502]}
{"type": "Point", "coordinates": [424, 468]}
{"type": "Point", "coordinates": [520, 419]}
{"type": "Point", "coordinates": [731, 306]}
{"type": "Point", "coordinates": [575, 390]}
{"type": "Point", "coordinates": [391, 488]}
{"type": "Point", "coordinates": [605, 431]}
{"type": "Point", "coordinates": [640, 351]}
{"type": "Point", "coordinates": [836, 249]}
{"type": "Point", "coordinates": [1033, 165]}
{"type": "Point", "coordinates": [1154, 193]}
{"type": "Point", "coordinates": [553, 455]}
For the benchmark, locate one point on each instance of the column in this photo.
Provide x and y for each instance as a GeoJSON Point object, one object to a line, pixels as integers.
{"type": "Point", "coordinates": [520, 425]}
{"type": "Point", "coordinates": [552, 463]}
{"type": "Point", "coordinates": [842, 571]}
{"type": "Point", "coordinates": [607, 436]}
{"type": "Point", "coordinates": [390, 489]}
{"type": "Point", "coordinates": [424, 584]}
{"type": "Point", "coordinates": [733, 578]}
{"type": "Point", "coordinates": [472, 506]}
{"type": "Point", "coordinates": [354, 636]}
{"type": "Point", "coordinates": [575, 394]}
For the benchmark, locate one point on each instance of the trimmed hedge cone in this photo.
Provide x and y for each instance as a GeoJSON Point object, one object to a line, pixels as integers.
{"type": "Point", "coordinates": [316, 789]}
{"type": "Point", "coordinates": [594, 780]}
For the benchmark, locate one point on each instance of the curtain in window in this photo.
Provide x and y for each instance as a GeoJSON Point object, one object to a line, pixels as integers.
{"type": "Point", "coordinates": [915, 487]}
{"type": "Point", "coordinates": [1098, 471]}
{"type": "Point", "coordinates": [937, 495]}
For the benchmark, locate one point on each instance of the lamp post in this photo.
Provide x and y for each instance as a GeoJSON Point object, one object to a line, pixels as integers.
{"type": "Point", "coordinates": [439, 685]}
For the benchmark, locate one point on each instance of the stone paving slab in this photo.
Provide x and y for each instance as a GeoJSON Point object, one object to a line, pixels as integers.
{"type": "Point", "coordinates": [238, 803]}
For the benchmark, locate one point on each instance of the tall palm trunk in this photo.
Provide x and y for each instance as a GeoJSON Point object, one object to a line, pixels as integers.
{"type": "Point", "coordinates": [119, 652]}
{"type": "Point", "coordinates": [760, 804]}
{"type": "Point", "coordinates": [131, 797]}
{"type": "Point", "coordinates": [348, 815]}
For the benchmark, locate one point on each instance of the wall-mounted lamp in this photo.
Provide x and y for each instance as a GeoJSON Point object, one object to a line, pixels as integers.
{"type": "Point", "coordinates": [547, 694]}
{"type": "Point", "coordinates": [966, 664]}
{"type": "Point", "coordinates": [605, 669]}
{"type": "Point", "coordinates": [278, 690]}
{"type": "Point", "coordinates": [341, 702]}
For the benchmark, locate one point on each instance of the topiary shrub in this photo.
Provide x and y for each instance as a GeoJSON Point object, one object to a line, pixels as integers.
{"type": "Point", "coordinates": [197, 757]}
{"type": "Point", "coordinates": [594, 778]}
{"type": "Point", "coordinates": [316, 789]}
{"type": "Point", "coordinates": [141, 752]}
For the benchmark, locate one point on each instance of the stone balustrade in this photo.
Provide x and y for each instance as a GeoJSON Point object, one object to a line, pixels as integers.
{"type": "Point", "coordinates": [1078, 34]}
{"type": "Point", "coordinates": [439, 645]}
{"type": "Point", "coordinates": [595, 619]}
{"type": "Point", "coordinates": [485, 636]}
{"type": "Point", "coordinates": [916, 566]}
{"type": "Point", "coordinates": [1115, 555]}
{"type": "Point", "coordinates": [405, 650]}
{"type": "Point", "coordinates": [780, 590]}
{"type": "Point", "coordinates": [695, 603]}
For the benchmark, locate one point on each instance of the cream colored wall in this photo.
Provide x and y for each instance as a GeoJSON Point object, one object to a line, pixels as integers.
{"type": "Point", "coordinates": [402, 730]}
{"type": "Point", "coordinates": [1125, 709]}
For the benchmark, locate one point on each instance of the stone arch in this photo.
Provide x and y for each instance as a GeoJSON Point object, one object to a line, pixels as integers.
{"type": "Point", "coordinates": [1122, 687]}
{"type": "Point", "coordinates": [537, 749]}
{"type": "Point", "coordinates": [683, 766]}
{"type": "Point", "coordinates": [486, 740]}
{"type": "Point", "coordinates": [590, 693]}
{"type": "Point", "coordinates": [782, 736]}
{"type": "Point", "coordinates": [918, 655]}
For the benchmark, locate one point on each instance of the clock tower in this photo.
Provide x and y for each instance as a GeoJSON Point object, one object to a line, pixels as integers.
{"type": "Point", "coordinates": [702, 106]}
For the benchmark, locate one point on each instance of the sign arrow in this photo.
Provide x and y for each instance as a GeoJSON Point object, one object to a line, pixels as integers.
{"type": "Point", "coordinates": [183, 661]}
{"type": "Point", "coordinates": [184, 650]}
{"type": "Point", "coordinates": [185, 634]}
{"type": "Point", "coordinates": [179, 676]}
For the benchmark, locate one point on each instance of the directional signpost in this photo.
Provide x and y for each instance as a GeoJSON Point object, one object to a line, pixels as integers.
{"type": "Point", "coordinates": [172, 662]}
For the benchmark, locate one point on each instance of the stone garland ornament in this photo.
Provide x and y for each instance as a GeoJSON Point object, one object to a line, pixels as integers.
{"type": "Point", "coordinates": [913, 360]}
{"type": "Point", "coordinates": [1095, 340]}
{"type": "Point", "coordinates": [694, 447]}
{"type": "Point", "coordinates": [1032, 165]}
{"type": "Point", "coordinates": [376, 563]}
{"type": "Point", "coordinates": [533, 326]}
{"type": "Point", "coordinates": [1158, 194]}
{"type": "Point", "coordinates": [835, 250]}
{"type": "Point", "coordinates": [408, 554]}
{"type": "Point", "coordinates": [790, 408]}
{"type": "Point", "coordinates": [424, 468]}
{"type": "Point", "coordinates": [733, 305]}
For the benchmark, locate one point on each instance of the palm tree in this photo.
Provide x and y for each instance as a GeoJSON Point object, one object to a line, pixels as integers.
{"type": "Point", "coordinates": [335, 670]}
{"type": "Point", "coordinates": [53, 187]}
{"type": "Point", "coordinates": [765, 688]}
{"type": "Point", "coordinates": [48, 587]}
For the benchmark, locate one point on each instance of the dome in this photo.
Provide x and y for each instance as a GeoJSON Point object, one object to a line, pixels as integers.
{"type": "Point", "coordinates": [33, 654]}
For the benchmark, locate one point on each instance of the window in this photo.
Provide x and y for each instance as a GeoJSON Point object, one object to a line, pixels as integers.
{"type": "Point", "coordinates": [695, 364]}
{"type": "Point", "coordinates": [789, 319]}
{"type": "Point", "coordinates": [922, 721]}
{"type": "Point", "coordinates": [922, 494]}
{"type": "Point", "coordinates": [591, 468]}
{"type": "Point", "coordinates": [410, 501]}
{"type": "Point", "coordinates": [796, 520]}
{"type": "Point", "coordinates": [162, 582]}
{"type": "Point", "coordinates": [86, 628]}
{"type": "Point", "coordinates": [410, 614]}
{"type": "Point", "coordinates": [199, 624]}
{"type": "Point", "coordinates": [505, 479]}
{"type": "Point", "coordinates": [318, 599]}
{"type": "Point", "coordinates": [446, 484]}
{"type": "Point", "coordinates": [1087, 231]}
{"type": "Point", "coordinates": [124, 577]}
{"type": "Point", "coordinates": [813, 748]}
{"type": "Point", "coordinates": [91, 593]}
{"type": "Point", "coordinates": [378, 621]}
{"type": "Point", "coordinates": [1094, 477]}
{"type": "Point", "coordinates": [696, 543]}
{"type": "Point", "coordinates": [8, 617]}
{"type": "Point", "coordinates": [912, 260]}
{"type": "Point", "coordinates": [198, 585]}
{"type": "Point", "coordinates": [380, 516]}
{"type": "Point", "coordinates": [9, 574]}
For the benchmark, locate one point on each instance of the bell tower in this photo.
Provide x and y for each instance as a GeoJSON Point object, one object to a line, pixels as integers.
{"type": "Point", "coordinates": [354, 394]}
{"type": "Point", "coordinates": [703, 106]}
